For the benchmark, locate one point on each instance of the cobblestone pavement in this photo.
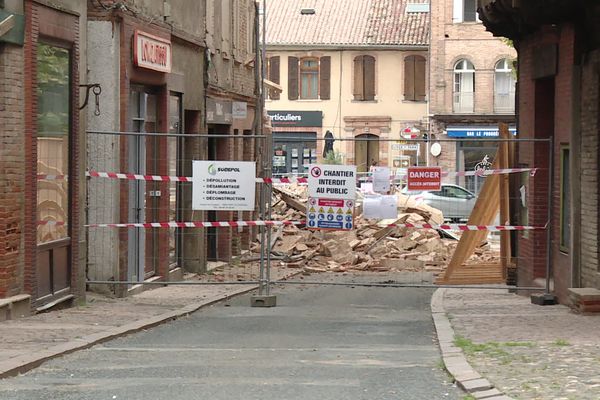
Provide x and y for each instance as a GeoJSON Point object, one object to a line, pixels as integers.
{"type": "Point", "coordinates": [525, 350]}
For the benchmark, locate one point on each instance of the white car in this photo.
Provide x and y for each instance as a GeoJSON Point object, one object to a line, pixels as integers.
{"type": "Point", "coordinates": [455, 202]}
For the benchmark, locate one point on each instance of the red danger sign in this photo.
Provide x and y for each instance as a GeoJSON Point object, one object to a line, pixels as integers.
{"type": "Point", "coordinates": [424, 178]}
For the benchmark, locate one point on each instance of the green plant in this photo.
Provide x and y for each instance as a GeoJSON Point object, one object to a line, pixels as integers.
{"type": "Point", "coordinates": [333, 157]}
{"type": "Point", "coordinates": [561, 342]}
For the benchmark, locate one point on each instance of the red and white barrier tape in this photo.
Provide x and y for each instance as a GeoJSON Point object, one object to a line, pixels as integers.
{"type": "Point", "coordinates": [461, 227]}
{"type": "Point", "coordinates": [166, 178]}
{"type": "Point", "coordinates": [233, 224]}
{"type": "Point", "coordinates": [159, 178]}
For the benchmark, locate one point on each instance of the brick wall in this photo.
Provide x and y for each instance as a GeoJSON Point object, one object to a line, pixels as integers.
{"type": "Point", "coordinates": [42, 21]}
{"type": "Point", "coordinates": [12, 171]}
{"type": "Point", "coordinates": [590, 131]}
{"type": "Point", "coordinates": [453, 41]}
{"type": "Point", "coordinates": [536, 120]}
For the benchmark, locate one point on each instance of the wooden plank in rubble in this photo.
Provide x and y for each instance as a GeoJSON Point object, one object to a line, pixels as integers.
{"type": "Point", "coordinates": [290, 201]}
{"type": "Point", "coordinates": [485, 210]}
{"type": "Point", "coordinates": [503, 156]}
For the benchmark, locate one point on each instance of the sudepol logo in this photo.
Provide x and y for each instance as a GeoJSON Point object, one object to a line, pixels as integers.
{"type": "Point", "coordinates": [212, 170]}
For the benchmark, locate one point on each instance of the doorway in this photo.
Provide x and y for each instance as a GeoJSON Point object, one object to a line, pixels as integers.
{"type": "Point", "coordinates": [366, 151]}
{"type": "Point", "coordinates": [143, 196]}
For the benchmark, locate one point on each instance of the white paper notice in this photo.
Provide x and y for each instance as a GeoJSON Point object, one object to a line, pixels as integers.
{"type": "Point", "coordinates": [223, 185]}
{"type": "Point", "coordinates": [389, 207]}
{"type": "Point", "coordinates": [381, 179]}
{"type": "Point", "coordinates": [371, 207]}
{"type": "Point", "coordinates": [380, 207]}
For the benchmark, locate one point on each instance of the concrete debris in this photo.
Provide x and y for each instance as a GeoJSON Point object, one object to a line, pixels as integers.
{"type": "Point", "coordinates": [371, 246]}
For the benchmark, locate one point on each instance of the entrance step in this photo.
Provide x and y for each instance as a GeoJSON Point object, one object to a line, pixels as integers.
{"type": "Point", "coordinates": [15, 307]}
{"type": "Point", "coordinates": [585, 300]}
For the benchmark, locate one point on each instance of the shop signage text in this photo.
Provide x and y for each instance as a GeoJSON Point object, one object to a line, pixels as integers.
{"type": "Point", "coordinates": [296, 118]}
{"type": "Point", "coordinates": [223, 185]}
{"type": "Point", "coordinates": [152, 52]}
{"type": "Point", "coordinates": [424, 178]}
{"type": "Point", "coordinates": [467, 132]}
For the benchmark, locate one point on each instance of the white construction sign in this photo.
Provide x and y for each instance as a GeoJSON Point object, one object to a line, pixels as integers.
{"type": "Point", "coordinates": [223, 185]}
{"type": "Point", "coordinates": [332, 192]}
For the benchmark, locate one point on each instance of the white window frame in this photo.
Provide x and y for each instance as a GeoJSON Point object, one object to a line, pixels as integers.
{"type": "Point", "coordinates": [463, 101]}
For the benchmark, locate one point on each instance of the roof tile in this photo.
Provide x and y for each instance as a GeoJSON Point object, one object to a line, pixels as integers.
{"type": "Point", "coordinates": [346, 23]}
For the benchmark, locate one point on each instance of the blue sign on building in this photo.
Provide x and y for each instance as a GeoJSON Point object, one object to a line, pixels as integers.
{"type": "Point", "coordinates": [476, 132]}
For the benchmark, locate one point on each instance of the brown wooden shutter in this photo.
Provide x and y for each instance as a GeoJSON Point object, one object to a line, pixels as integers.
{"type": "Point", "coordinates": [293, 78]}
{"type": "Point", "coordinates": [274, 76]}
{"type": "Point", "coordinates": [409, 78]}
{"type": "Point", "coordinates": [358, 90]}
{"type": "Point", "coordinates": [369, 77]}
{"type": "Point", "coordinates": [325, 78]}
{"type": "Point", "coordinates": [420, 78]}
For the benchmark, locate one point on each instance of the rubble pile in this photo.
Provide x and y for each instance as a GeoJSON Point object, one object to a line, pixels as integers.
{"type": "Point", "coordinates": [371, 246]}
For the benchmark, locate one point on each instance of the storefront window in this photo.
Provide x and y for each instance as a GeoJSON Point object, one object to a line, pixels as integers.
{"type": "Point", "coordinates": [471, 155]}
{"type": "Point", "coordinates": [293, 155]}
{"type": "Point", "coordinates": [53, 126]}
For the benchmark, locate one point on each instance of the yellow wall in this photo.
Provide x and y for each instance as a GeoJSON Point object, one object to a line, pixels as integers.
{"type": "Point", "coordinates": [389, 89]}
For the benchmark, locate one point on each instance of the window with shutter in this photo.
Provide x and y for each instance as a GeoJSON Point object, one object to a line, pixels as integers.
{"type": "Point", "coordinates": [369, 77]}
{"type": "Point", "coordinates": [309, 78]}
{"type": "Point", "coordinates": [325, 78]}
{"type": "Point", "coordinates": [364, 78]}
{"type": "Point", "coordinates": [293, 78]}
{"type": "Point", "coordinates": [358, 89]}
{"type": "Point", "coordinates": [409, 78]}
{"type": "Point", "coordinates": [273, 74]}
{"type": "Point", "coordinates": [415, 78]}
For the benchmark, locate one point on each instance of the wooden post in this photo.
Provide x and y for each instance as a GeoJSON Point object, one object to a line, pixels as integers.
{"type": "Point", "coordinates": [503, 157]}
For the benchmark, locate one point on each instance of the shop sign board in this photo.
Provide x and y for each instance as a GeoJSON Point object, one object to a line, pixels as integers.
{"type": "Point", "coordinates": [476, 132]}
{"type": "Point", "coordinates": [296, 118]}
{"type": "Point", "coordinates": [152, 52]}
{"type": "Point", "coordinates": [405, 146]}
{"type": "Point", "coordinates": [218, 111]}
{"type": "Point", "coordinates": [239, 110]}
{"type": "Point", "coordinates": [223, 185]}
{"type": "Point", "coordinates": [424, 178]}
{"type": "Point", "coordinates": [332, 194]}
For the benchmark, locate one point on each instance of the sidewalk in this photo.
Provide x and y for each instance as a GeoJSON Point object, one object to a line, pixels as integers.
{"type": "Point", "coordinates": [522, 350]}
{"type": "Point", "coordinates": [28, 342]}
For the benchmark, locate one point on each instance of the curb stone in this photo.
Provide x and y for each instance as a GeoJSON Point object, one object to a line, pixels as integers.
{"type": "Point", "coordinates": [22, 364]}
{"type": "Point", "coordinates": [453, 357]}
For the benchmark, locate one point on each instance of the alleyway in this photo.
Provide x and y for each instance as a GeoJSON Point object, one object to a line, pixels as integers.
{"type": "Point", "coordinates": [319, 343]}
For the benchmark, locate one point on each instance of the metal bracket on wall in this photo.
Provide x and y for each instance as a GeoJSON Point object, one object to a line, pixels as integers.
{"type": "Point", "coordinates": [97, 90]}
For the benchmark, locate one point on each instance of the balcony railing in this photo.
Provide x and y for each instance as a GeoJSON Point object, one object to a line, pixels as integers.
{"type": "Point", "coordinates": [504, 103]}
{"type": "Point", "coordinates": [463, 102]}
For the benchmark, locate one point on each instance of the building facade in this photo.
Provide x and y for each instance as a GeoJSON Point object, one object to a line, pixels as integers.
{"type": "Point", "coordinates": [351, 88]}
{"type": "Point", "coordinates": [472, 86]}
{"type": "Point", "coordinates": [231, 108]}
{"type": "Point", "coordinates": [42, 200]}
{"type": "Point", "coordinates": [170, 73]}
{"type": "Point", "coordinates": [559, 91]}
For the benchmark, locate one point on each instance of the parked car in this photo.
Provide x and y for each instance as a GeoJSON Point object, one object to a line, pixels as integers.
{"type": "Point", "coordinates": [455, 202]}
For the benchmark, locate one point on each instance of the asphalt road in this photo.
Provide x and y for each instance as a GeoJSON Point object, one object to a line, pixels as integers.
{"type": "Point", "coordinates": [320, 342]}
